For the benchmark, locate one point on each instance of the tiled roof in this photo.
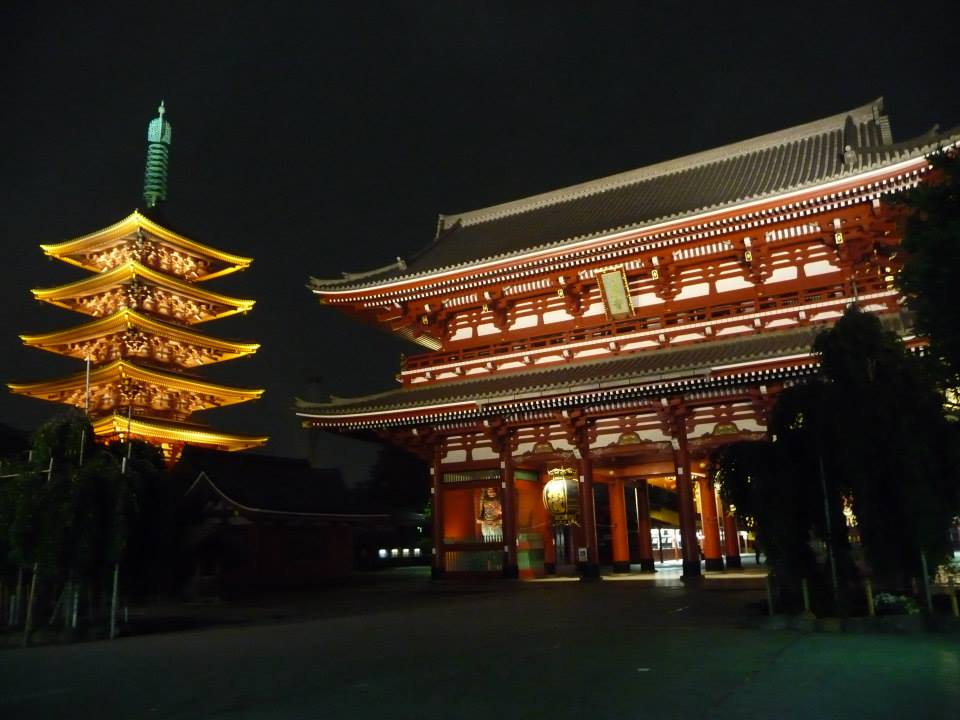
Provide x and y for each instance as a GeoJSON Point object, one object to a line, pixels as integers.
{"type": "Point", "coordinates": [269, 484]}
{"type": "Point", "coordinates": [791, 159]}
{"type": "Point", "coordinates": [644, 367]}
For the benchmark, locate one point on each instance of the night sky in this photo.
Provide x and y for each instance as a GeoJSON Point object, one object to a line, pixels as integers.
{"type": "Point", "coordinates": [321, 137]}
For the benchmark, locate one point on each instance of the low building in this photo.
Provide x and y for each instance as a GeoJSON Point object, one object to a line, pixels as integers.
{"type": "Point", "coordinates": [257, 521]}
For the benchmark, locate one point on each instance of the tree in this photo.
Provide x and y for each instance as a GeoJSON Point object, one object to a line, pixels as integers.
{"type": "Point", "coordinates": [751, 480]}
{"type": "Point", "coordinates": [75, 509]}
{"type": "Point", "coordinates": [931, 273]}
{"type": "Point", "coordinates": [871, 431]}
{"type": "Point", "coordinates": [893, 450]}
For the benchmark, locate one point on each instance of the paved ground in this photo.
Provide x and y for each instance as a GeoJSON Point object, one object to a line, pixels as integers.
{"type": "Point", "coordinates": [408, 648]}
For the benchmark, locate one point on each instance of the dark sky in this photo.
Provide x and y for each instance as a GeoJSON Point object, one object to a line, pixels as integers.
{"type": "Point", "coordinates": [320, 137]}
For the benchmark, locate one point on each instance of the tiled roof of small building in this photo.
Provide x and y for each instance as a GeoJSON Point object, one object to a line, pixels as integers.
{"type": "Point", "coordinates": [768, 165]}
{"type": "Point", "coordinates": [269, 484]}
{"type": "Point", "coordinates": [645, 367]}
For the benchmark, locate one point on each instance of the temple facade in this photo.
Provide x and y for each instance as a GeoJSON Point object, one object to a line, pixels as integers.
{"type": "Point", "coordinates": [587, 348]}
{"type": "Point", "coordinates": [141, 348]}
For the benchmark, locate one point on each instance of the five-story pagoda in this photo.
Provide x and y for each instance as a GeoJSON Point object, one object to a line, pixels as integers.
{"type": "Point", "coordinates": [141, 348]}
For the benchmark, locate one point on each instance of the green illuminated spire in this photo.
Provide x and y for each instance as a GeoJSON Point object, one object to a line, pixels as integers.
{"type": "Point", "coordinates": [158, 153]}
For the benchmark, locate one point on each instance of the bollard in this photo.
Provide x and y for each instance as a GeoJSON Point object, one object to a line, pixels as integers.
{"type": "Point", "coordinates": [868, 586]}
{"type": "Point", "coordinates": [769, 585]}
{"type": "Point", "coordinates": [953, 602]}
{"type": "Point", "coordinates": [806, 595]}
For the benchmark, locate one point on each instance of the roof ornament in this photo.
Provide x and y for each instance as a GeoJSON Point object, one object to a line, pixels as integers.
{"type": "Point", "coordinates": [851, 140]}
{"type": "Point", "coordinates": [314, 283]}
{"type": "Point", "coordinates": [159, 133]}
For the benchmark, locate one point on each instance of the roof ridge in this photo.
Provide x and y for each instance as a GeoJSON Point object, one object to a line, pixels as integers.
{"type": "Point", "coordinates": [864, 113]}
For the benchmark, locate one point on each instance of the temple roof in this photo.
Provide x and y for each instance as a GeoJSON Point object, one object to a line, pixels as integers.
{"type": "Point", "coordinates": [78, 251]}
{"type": "Point", "coordinates": [650, 368]}
{"type": "Point", "coordinates": [127, 319]}
{"type": "Point", "coordinates": [268, 484]}
{"type": "Point", "coordinates": [132, 270]}
{"type": "Point", "coordinates": [174, 432]}
{"type": "Point", "coordinates": [120, 370]}
{"type": "Point", "coordinates": [802, 157]}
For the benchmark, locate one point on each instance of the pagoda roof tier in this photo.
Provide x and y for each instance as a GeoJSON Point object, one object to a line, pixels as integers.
{"type": "Point", "coordinates": [106, 293]}
{"type": "Point", "coordinates": [108, 380]}
{"type": "Point", "coordinates": [723, 182]}
{"type": "Point", "coordinates": [137, 237]}
{"type": "Point", "coordinates": [644, 374]}
{"type": "Point", "coordinates": [128, 333]}
{"type": "Point", "coordinates": [117, 426]}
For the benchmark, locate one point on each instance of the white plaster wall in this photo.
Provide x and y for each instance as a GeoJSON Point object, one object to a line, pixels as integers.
{"type": "Point", "coordinates": [819, 267]}
{"type": "Point", "coordinates": [484, 453]}
{"type": "Point", "coordinates": [646, 299]}
{"type": "Point", "coordinates": [732, 283]}
{"type": "Point", "coordinates": [734, 329]}
{"type": "Point", "coordinates": [780, 274]}
{"type": "Point", "coordinates": [694, 290]}
{"type": "Point", "coordinates": [455, 456]}
{"type": "Point", "coordinates": [781, 322]}
{"type": "Point", "coordinates": [524, 321]}
{"type": "Point", "coordinates": [556, 316]}
{"type": "Point", "coordinates": [594, 309]}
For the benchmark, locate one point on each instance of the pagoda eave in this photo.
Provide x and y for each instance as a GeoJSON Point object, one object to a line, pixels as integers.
{"type": "Point", "coordinates": [101, 239]}
{"type": "Point", "coordinates": [131, 271]}
{"type": "Point", "coordinates": [120, 371]}
{"type": "Point", "coordinates": [171, 437]}
{"type": "Point", "coordinates": [75, 342]}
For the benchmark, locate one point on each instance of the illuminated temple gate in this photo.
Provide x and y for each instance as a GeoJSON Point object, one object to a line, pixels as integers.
{"type": "Point", "coordinates": [619, 330]}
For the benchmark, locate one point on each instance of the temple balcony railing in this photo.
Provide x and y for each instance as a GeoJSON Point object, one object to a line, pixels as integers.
{"type": "Point", "coordinates": [671, 323]}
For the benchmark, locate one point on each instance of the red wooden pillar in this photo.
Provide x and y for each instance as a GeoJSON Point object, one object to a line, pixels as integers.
{"type": "Point", "coordinates": [589, 569]}
{"type": "Point", "coordinates": [685, 506]}
{"type": "Point", "coordinates": [618, 521]}
{"type": "Point", "coordinates": [437, 567]}
{"type": "Point", "coordinates": [731, 539]}
{"type": "Point", "coordinates": [510, 569]}
{"type": "Point", "coordinates": [711, 526]}
{"type": "Point", "coordinates": [645, 542]}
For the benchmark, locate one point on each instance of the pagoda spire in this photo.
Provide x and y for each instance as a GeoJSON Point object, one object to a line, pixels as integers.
{"type": "Point", "coordinates": [159, 133]}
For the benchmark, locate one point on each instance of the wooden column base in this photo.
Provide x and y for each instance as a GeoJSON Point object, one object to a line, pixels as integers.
{"type": "Point", "coordinates": [621, 566]}
{"type": "Point", "coordinates": [734, 562]}
{"type": "Point", "coordinates": [511, 572]}
{"type": "Point", "coordinates": [647, 566]}
{"type": "Point", "coordinates": [550, 568]}
{"type": "Point", "coordinates": [691, 569]}
{"type": "Point", "coordinates": [713, 564]}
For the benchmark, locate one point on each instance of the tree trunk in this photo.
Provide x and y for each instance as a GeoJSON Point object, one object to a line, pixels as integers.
{"type": "Point", "coordinates": [61, 600]}
{"type": "Point", "coordinates": [113, 601]}
{"type": "Point", "coordinates": [75, 606]}
{"type": "Point", "coordinates": [91, 606]}
{"type": "Point", "coordinates": [28, 625]}
{"type": "Point", "coordinates": [18, 598]}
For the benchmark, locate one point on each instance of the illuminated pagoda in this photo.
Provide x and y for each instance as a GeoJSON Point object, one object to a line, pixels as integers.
{"type": "Point", "coordinates": [588, 347]}
{"type": "Point", "coordinates": [141, 349]}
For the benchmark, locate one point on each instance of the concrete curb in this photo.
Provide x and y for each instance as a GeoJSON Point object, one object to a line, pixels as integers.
{"type": "Point", "coordinates": [894, 624]}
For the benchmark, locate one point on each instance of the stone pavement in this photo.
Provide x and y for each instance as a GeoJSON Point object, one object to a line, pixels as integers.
{"type": "Point", "coordinates": [403, 647]}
